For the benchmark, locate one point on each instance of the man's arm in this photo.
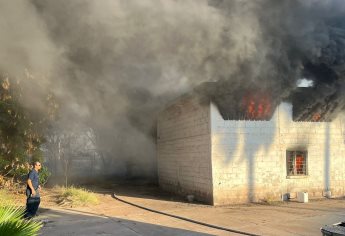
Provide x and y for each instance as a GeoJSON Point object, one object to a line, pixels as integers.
{"type": "Point", "coordinates": [33, 192]}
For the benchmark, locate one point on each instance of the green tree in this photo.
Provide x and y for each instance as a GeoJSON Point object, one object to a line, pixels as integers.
{"type": "Point", "coordinates": [21, 129]}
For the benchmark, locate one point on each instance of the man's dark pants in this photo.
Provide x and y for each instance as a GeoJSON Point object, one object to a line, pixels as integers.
{"type": "Point", "coordinates": [32, 203]}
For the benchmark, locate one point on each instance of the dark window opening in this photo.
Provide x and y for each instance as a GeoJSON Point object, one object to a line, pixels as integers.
{"type": "Point", "coordinates": [296, 163]}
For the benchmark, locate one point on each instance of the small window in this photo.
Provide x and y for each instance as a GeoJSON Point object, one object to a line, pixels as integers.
{"type": "Point", "coordinates": [296, 163]}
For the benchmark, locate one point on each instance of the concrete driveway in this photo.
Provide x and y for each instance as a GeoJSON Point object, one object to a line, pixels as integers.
{"type": "Point", "coordinates": [113, 217]}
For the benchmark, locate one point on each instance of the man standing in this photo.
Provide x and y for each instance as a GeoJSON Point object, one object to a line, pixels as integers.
{"type": "Point", "coordinates": [32, 191]}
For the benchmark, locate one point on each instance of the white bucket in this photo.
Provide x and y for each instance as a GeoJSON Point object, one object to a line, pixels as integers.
{"type": "Point", "coordinates": [302, 197]}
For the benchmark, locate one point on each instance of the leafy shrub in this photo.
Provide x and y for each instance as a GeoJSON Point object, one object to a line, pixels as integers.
{"type": "Point", "coordinates": [44, 175]}
{"type": "Point", "coordinates": [11, 217]}
{"type": "Point", "coordinates": [13, 224]}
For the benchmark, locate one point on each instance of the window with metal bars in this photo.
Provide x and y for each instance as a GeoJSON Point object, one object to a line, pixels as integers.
{"type": "Point", "coordinates": [296, 163]}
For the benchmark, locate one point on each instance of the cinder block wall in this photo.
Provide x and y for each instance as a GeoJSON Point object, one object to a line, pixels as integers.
{"type": "Point", "coordinates": [249, 157]}
{"type": "Point", "coordinates": [326, 151]}
{"type": "Point", "coordinates": [183, 149]}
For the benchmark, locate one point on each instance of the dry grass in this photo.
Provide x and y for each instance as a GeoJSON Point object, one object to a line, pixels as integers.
{"type": "Point", "coordinates": [73, 197]}
{"type": "Point", "coordinates": [8, 198]}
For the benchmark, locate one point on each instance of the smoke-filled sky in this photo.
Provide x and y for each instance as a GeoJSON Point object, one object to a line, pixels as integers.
{"type": "Point", "coordinates": [113, 64]}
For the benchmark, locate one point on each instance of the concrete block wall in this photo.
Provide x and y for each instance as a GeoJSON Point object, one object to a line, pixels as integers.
{"type": "Point", "coordinates": [249, 157]}
{"type": "Point", "coordinates": [183, 149]}
{"type": "Point", "coordinates": [324, 142]}
{"type": "Point", "coordinates": [245, 159]}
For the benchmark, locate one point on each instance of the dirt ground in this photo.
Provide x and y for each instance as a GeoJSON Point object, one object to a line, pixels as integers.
{"type": "Point", "coordinates": [113, 217]}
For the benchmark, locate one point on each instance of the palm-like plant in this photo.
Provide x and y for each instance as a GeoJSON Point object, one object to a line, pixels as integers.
{"type": "Point", "coordinates": [13, 224]}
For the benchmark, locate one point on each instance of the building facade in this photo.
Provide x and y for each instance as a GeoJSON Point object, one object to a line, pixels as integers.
{"type": "Point", "coordinates": [235, 161]}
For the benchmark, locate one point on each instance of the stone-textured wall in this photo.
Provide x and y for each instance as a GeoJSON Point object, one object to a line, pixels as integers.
{"type": "Point", "coordinates": [249, 157]}
{"type": "Point", "coordinates": [183, 149]}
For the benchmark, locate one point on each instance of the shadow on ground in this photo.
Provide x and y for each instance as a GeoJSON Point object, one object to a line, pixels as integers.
{"type": "Point", "coordinates": [73, 222]}
{"type": "Point", "coordinates": [136, 190]}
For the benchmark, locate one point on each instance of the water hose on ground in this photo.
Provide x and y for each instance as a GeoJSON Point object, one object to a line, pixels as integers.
{"type": "Point", "coordinates": [184, 218]}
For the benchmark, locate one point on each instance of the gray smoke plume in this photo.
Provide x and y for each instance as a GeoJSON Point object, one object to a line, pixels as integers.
{"type": "Point", "coordinates": [290, 40]}
{"type": "Point", "coordinates": [113, 65]}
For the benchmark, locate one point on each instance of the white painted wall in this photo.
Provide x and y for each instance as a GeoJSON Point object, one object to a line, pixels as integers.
{"type": "Point", "coordinates": [183, 149]}
{"type": "Point", "coordinates": [249, 157]}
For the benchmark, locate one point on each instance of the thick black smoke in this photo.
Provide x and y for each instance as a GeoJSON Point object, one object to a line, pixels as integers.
{"type": "Point", "coordinates": [293, 40]}
{"type": "Point", "coordinates": [113, 65]}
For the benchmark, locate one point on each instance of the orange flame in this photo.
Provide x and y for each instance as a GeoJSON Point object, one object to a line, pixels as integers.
{"type": "Point", "coordinates": [257, 106]}
{"type": "Point", "coordinates": [316, 117]}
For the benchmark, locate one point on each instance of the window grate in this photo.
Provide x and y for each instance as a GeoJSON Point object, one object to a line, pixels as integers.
{"type": "Point", "coordinates": [296, 163]}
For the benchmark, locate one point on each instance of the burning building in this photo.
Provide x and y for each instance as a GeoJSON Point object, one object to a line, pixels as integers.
{"type": "Point", "coordinates": [264, 152]}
